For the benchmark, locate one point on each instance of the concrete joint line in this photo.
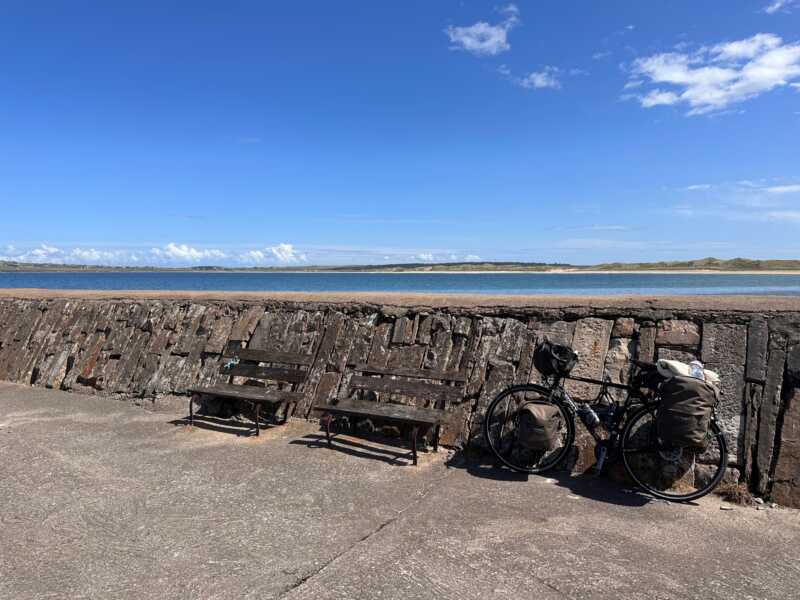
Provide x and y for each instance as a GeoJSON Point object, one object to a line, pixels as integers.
{"type": "Point", "coordinates": [302, 581]}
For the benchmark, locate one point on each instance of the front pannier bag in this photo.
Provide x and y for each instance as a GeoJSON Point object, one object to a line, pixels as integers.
{"type": "Point", "coordinates": [538, 426]}
{"type": "Point", "coordinates": [684, 414]}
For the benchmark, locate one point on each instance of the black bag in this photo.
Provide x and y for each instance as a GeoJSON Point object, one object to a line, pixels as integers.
{"type": "Point", "coordinates": [684, 414]}
{"type": "Point", "coordinates": [646, 376]}
{"type": "Point", "coordinates": [538, 425]}
{"type": "Point", "coordinates": [551, 359]}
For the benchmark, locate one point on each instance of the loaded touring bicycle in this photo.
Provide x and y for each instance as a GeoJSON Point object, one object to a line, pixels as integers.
{"type": "Point", "coordinates": [665, 431]}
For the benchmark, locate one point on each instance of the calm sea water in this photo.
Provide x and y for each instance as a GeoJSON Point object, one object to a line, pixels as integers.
{"type": "Point", "coordinates": [447, 283]}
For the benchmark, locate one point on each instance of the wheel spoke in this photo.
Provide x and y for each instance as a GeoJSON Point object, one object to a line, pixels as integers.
{"type": "Point", "coordinates": [668, 472]}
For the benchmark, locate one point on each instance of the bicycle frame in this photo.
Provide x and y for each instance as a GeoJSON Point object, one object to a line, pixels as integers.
{"type": "Point", "coordinates": [614, 420]}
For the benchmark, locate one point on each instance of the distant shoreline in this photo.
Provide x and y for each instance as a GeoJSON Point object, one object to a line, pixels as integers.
{"type": "Point", "coordinates": [421, 272]}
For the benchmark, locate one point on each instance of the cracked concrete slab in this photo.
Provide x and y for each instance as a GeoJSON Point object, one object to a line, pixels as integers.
{"type": "Point", "coordinates": [103, 499]}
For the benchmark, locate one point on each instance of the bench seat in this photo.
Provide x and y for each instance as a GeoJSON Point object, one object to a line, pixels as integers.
{"type": "Point", "coordinates": [394, 412]}
{"type": "Point", "coordinates": [250, 393]}
{"type": "Point", "coordinates": [417, 417]}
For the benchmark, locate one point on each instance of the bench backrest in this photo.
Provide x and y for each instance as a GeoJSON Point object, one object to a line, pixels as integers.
{"type": "Point", "coordinates": [451, 388]}
{"type": "Point", "coordinates": [250, 359]}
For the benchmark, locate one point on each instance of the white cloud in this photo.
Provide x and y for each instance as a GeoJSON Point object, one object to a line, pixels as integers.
{"type": "Point", "coordinates": [601, 55]}
{"type": "Point", "coordinates": [253, 257]}
{"type": "Point", "coordinates": [484, 39]}
{"type": "Point", "coordinates": [746, 48]}
{"type": "Point", "coordinates": [45, 251]}
{"type": "Point", "coordinates": [424, 257]}
{"type": "Point", "coordinates": [185, 253]}
{"type": "Point", "coordinates": [699, 186]}
{"type": "Point", "coordinates": [546, 78]}
{"type": "Point", "coordinates": [778, 5]}
{"type": "Point", "coordinates": [659, 97]}
{"type": "Point", "coordinates": [714, 78]}
{"type": "Point", "coordinates": [286, 253]}
{"type": "Point", "coordinates": [784, 215]}
{"type": "Point", "coordinates": [92, 255]}
{"type": "Point", "coordinates": [472, 258]}
{"type": "Point", "coordinates": [784, 189]}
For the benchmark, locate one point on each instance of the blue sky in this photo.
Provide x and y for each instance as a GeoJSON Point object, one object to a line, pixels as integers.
{"type": "Point", "coordinates": [244, 133]}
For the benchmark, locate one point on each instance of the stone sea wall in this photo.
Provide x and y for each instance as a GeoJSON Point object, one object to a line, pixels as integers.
{"type": "Point", "coordinates": [150, 348]}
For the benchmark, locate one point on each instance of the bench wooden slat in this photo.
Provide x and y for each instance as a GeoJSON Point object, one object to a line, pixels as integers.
{"type": "Point", "coordinates": [387, 410]}
{"type": "Point", "coordinates": [271, 373]}
{"type": "Point", "coordinates": [417, 389]}
{"type": "Point", "coordinates": [271, 356]}
{"type": "Point", "coordinates": [416, 373]}
{"type": "Point", "coordinates": [251, 393]}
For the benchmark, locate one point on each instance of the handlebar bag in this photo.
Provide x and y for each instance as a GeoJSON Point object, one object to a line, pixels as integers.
{"type": "Point", "coordinates": [551, 359]}
{"type": "Point", "coordinates": [538, 426]}
{"type": "Point", "coordinates": [684, 414]}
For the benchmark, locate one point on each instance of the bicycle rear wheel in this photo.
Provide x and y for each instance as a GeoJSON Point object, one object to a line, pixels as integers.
{"type": "Point", "coordinates": [500, 430]}
{"type": "Point", "coordinates": [670, 473]}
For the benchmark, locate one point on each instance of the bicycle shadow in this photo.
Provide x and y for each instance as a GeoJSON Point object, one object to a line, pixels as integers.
{"type": "Point", "coordinates": [586, 485]}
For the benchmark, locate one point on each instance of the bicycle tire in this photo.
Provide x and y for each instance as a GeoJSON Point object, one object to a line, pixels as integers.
{"type": "Point", "coordinates": [546, 396]}
{"type": "Point", "coordinates": [637, 476]}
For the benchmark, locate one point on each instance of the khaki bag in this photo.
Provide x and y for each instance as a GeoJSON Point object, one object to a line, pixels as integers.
{"type": "Point", "coordinates": [538, 426]}
{"type": "Point", "coordinates": [684, 415]}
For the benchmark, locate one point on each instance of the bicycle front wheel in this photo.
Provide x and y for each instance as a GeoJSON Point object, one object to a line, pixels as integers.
{"type": "Point", "coordinates": [667, 472]}
{"type": "Point", "coordinates": [500, 430]}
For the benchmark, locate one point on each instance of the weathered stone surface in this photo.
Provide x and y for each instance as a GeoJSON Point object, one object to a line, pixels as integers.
{"type": "Point", "coordinates": [403, 332]}
{"type": "Point", "coordinates": [677, 333]}
{"type": "Point", "coordinates": [757, 338]}
{"type": "Point", "coordinates": [624, 327]}
{"type": "Point", "coordinates": [618, 364]}
{"type": "Point", "coordinates": [769, 411]}
{"type": "Point", "coordinates": [673, 354]}
{"type": "Point", "coordinates": [646, 348]}
{"type": "Point", "coordinates": [786, 485]}
{"type": "Point", "coordinates": [723, 350]}
{"type": "Point", "coordinates": [591, 343]}
{"type": "Point", "coordinates": [793, 364]}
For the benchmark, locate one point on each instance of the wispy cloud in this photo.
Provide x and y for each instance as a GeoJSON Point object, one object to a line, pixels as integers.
{"type": "Point", "coordinates": [186, 253]}
{"type": "Point", "coordinates": [714, 78]}
{"type": "Point", "coordinates": [779, 6]}
{"type": "Point", "coordinates": [537, 80]}
{"type": "Point", "coordinates": [743, 200]}
{"type": "Point", "coordinates": [792, 216]}
{"type": "Point", "coordinates": [784, 189]}
{"type": "Point", "coordinates": [482, 38]}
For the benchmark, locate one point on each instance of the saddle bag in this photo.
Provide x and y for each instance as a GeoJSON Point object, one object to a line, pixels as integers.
{"type": "Point", "coordinates": [684, 415]}
{"type": "Point", "coordinates": [538, 426]}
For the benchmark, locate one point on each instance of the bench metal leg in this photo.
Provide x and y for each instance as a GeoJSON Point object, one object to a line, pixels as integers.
{"type": "Point", "coordinates": [414, 433]}
{"type": "Point", "coordinates": [328, 419]}
{"type": "Point", "coordinates": [258, 418]}
{"type": "Point", "coordinates": [192, 399]}
{"type": "Point", "coordinates": [288, 411]}
{"type": "Point", "coordinates": [436, 438]}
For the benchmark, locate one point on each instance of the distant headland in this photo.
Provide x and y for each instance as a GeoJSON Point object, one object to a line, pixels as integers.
{"type": "Point", "coordinates": [703, 265]}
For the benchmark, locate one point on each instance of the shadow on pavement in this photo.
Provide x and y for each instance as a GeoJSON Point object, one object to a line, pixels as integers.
{"type": "Point", "coordinates": [353, 448]}
{"type": "Point", "coordinates": [600, 489]}
{"type": "Point", "coordinates": [239, 428]}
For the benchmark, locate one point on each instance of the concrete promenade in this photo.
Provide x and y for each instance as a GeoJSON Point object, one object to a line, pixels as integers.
{"type": "Point", "coordinates": [103, 499]}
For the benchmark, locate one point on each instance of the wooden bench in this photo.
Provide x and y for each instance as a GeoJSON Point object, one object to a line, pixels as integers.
{"type": "Point", "coordinates": [247, 363]}
{"type": "Point", "coordinates": [419, 418]}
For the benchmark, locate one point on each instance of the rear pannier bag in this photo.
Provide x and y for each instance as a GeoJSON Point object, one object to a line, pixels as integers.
{"type": "Point", "coordinates": [684, 414]}
{"type": "Point", "coordinates": [538, 426]}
